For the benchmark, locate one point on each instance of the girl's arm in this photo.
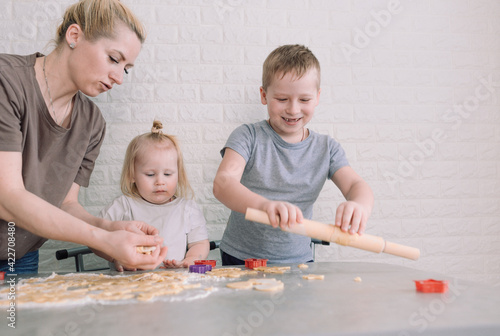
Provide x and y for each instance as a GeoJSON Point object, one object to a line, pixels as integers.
{"type": "Point", "coordinates": [353, 214]}
{"type": "Point", "coordinates": [196, 251]}
{"type": "Point", "coordinates": [32, 213]}
{"type": "Point", "coordinates": [229, 190]}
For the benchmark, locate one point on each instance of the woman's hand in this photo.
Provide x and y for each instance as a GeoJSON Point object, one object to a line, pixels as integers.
{"type": "Point", "coordinates": [121, 247]}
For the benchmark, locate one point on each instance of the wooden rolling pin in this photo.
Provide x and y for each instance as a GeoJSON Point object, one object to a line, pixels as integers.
{"type": "Point", "coordinates": [332, 233]}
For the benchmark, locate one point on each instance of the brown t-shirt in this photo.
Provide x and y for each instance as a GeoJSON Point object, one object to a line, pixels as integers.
{"type": "Point", "coordinates": [53, 157]}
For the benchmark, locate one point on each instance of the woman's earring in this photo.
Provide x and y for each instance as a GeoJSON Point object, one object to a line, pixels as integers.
{"type": "Point", "coordinates": [72, 45]}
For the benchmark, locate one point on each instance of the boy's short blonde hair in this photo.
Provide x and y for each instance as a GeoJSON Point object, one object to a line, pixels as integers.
{"type": "Point", "coordinates": [98, 19]}
{"type": "Point", "coordinates": [135, 147]}
{"type": "Point", "coordinates": [294, 58]}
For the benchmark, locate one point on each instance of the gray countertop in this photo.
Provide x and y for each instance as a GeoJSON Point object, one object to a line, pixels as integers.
{"type": "Point", "coordinates": [384, 303]}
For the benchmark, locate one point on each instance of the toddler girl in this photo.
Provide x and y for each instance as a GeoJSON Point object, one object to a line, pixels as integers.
{"type": "Point", "coordinates": [156, 191]}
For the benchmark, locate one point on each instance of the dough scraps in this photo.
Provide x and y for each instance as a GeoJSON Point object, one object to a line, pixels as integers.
{"type": "Point", "coordinates": [313, 277]}
{"type": "Point", "coordinates": [267, 284]}
{"type": "Point", "coordinates": [82, 287]}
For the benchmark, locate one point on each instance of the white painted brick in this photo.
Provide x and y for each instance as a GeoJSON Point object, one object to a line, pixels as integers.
{"type": "Point", "coordinates": [433, 59]}
{"type": "Point", "coordinates": [201, 35]}
{"type": "Point", "coordinates": [242, 74]}
{"type": "Point", "coordinates": [177, 15]}
{"type": "Point", "coordinates": [350, 95]}
{"type": "Point", "coordinates": [160, 33]}
{"type": "Point", "coordinates": [393, 95]}
{"type": "Point", "coordinates": [383, 151]}
{"type": "Point", "coordinates": [246, 36]}
{"type": "Point", "coordinates": [217, 54]}
{"type": "Point", "coordinates": [372, 76]}
{"type": "Point", "coordinates": [268, 18]}
{"type": "Point", "coordinates": [200, 74]}
{"type": "Point", "coordinates": [177, 53]}
{"type": "Point", "coordinates": [195, 113]}
{"type": "Point", "coordinates": [219, 13]}
{"type": "Point", "coordinates": [373, 114]}
{"type": "Point", "coordinates": [222, 94]}
{"type": "Point", "coordinates": [180, 93]}
{"type": "Point", "coordinates": [237, 114]}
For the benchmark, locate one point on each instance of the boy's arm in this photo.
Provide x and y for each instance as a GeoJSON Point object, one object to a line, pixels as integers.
{"type": "Point", "coordinates": [353, 214]}
{"type": "Point", "coordinates": [229, 190]}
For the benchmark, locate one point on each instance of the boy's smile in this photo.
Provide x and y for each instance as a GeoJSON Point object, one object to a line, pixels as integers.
{"type": "Point", "coordinates": [290, 103]}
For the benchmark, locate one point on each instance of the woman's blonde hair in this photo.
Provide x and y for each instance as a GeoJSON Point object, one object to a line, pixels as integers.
{"type": "Point", "coordinates": [294, 58]}
{"type": "Point", "coordinates": [135, 147]}
{"type": "Point", "coordinates": [98, 19]}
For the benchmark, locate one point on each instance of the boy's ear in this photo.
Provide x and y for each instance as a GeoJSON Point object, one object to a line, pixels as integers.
{"type": "Point", "coordinates": [263, 96]}
{"type": "Point", "coordinates": [317, 97]}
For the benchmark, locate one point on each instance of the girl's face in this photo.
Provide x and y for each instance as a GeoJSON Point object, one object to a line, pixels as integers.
{"type": "Point", "coordinates": [96, 66]}
{"type": "Point", "coordinates": [156, 173]}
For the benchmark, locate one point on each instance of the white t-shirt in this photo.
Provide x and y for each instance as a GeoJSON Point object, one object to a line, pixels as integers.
{"type": "Point", "coordinates": [180, 222]}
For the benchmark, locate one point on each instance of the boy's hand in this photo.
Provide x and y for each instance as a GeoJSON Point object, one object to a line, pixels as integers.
{"type": "Point", "coordinates": [351, 217]}
{"type": "Point", "coordinates": [283, 214]}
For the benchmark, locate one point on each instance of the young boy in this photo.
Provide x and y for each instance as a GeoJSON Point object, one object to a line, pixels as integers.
{"type": "Point", "coordinates": [279, 166]}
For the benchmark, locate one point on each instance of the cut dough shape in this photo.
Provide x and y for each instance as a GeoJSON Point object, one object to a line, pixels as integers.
{"type": "Point", "coordinates": [145, 249]}
{"type": "Point", "coordinates": [313, 277]}
{"type": "Point", "coordinates": [240, 285]}
{"type": "Point", "coordinates": [270, 287]}
{"type": "Point", "coordinates": [357, 279]}
{"type": "Point", "coordinates": [302, 266]}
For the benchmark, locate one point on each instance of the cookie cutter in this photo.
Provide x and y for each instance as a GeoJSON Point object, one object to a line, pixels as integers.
{"type": "Point", "coordinates": [252, 263]}
{"type": "Point", "coordinates": [2, 275]}
{"type": "Point", "coordinates": [200, 268]}
{"type": "Point", "coordinates": [431, 286]}
{"type": "Point", "coordinates": [206, 262]}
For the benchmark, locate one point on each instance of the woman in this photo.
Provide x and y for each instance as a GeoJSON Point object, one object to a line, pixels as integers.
{"type": "Point", "coordinates": [50, 136]}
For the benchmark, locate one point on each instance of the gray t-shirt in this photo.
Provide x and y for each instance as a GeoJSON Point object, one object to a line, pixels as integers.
{"type": "Point", "coordinates": [278, 170]}
{"type": "Point", "coordinates": [53, 157]}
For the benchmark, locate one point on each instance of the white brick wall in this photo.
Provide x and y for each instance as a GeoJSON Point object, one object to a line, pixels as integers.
{"type": "Point", "coordinates": [410, 88]}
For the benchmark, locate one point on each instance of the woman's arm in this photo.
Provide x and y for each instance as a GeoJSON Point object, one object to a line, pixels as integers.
{"type": "Point", "coordinates": [229, 190]}
{"type": "Point", "coordinates": [43, 219]}
{"type": "Point", "coordinates": [353, 214]}
{"type": "Point", "coordinates": [73, 207]}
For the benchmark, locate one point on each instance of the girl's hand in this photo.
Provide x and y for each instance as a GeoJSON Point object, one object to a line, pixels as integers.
{"type": "Point", "coordinates": [351, 217]}
{"type": "Point", "coordinates": [283, 214]}
{"type": "Point", "coordinates": [178, 264]}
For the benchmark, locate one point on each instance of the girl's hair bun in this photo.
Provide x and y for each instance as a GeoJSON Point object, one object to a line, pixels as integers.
{"type": "Point", "coordinates": [157, 127]}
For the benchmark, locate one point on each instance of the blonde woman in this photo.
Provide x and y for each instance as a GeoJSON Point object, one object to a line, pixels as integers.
{"type": "Point", "coordinates": [156, 190]}
{"type": "Point", "coordinates": [51, 133]}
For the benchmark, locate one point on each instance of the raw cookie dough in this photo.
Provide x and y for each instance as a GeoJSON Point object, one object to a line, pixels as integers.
{"type": "Point", "coordinates": [357, 279]}
{"type": "Point", "coordinates": [145, 249]}
{"type": "Point", "coordinates": [313, 277]}
{"type": "Point", "coordinates": [267, 284]}
{"type": "Point", "coordinates": [302, 266]}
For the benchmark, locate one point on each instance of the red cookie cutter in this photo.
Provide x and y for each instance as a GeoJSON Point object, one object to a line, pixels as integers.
{"type": "Point", "coordinates": [431, 286]}
{"type": "Point", "coordinates": [2, 275]}
{"type": "Point", "coordinates": [252, 263]}
{"type": "Point", "coordinates": [206, 262]}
